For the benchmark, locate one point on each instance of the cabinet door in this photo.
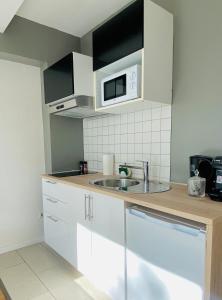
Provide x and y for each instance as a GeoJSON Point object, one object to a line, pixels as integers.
{"type": "Point", "coordinates": [60, 236]}
{"type": "Point", "coordinates": [108, 245]}
{"type": "Point", "coordinates": [119, 37]}
{"type": "Point", "coordinates": [84, 236]}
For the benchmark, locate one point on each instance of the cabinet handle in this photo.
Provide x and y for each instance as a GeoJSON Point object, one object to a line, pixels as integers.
{"type": "Point", "coordinates": [51, 182]}
{"type": "Point", "coordinates": [52, 219]}
{"type": "Point", "coordinates": [90, 207]}
{"type": "Point", "coordinates": [85, 207]}
{"type": "Point", "coordinates": [87, 197]}
{"type": "Point", "coordinates": [52, 201]}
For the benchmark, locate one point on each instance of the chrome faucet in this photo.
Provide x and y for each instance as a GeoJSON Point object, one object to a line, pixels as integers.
{"type": "Point", "coordinates": [145, 169]}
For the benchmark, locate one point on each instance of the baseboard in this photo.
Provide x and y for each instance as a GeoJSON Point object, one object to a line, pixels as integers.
{"type": "Point", "coordinates": [20, 245]}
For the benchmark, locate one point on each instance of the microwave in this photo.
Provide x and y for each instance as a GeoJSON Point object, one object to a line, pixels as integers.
{"type": "Point", "coordinates": [121, 86]}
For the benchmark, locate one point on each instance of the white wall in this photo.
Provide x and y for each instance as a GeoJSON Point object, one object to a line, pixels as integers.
{"type": "Point", "coordinates": [197, 103]}
{"type": "Point", "coordinates": [142, 135]}
{"type": "Point", "coordinates": [21, 155]}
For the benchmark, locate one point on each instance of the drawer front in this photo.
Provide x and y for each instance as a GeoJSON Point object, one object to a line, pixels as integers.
{"type": "Point", "coordinates": [63, 192]}
{"type": "Point", "coordinates": [53, 189]}
{"type": "Point", "coordinates": [61, 237]}
{"type": "Point", "coordinates": [58, 208]}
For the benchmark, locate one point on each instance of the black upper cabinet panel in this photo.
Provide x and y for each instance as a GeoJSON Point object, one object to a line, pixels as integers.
{"type": "Point", "coordinates": [58, 79]}
{"type": "Point", "coordinates": [119, 37]}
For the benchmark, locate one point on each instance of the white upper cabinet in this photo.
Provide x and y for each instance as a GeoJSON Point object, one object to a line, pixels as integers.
{"type": "Point", "coordinates": [69, 77]}
{"type": "Point", "coordinates": [158, 54]}
{"type": "Point", "coordinates": [141, 34]}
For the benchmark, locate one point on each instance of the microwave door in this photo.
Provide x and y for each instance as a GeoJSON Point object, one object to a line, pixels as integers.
{"type": "Point", "coordinates": [121, 86]}
{"type": "Point", "coordinates": [109, 90]}
{"type": "Point", "coordinates": [115, 89]}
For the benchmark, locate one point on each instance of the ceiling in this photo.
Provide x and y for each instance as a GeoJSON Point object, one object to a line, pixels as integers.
{"type": "Point", "coordinates": [76, 17]}
{"type": "Point", "coordinates": [7, 11]}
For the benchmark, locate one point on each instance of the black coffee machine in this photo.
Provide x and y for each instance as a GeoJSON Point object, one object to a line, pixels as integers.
{"type": "Point", "coordinates": [216, 191]}
{"type": "Point", "coordinates": [211, 169]}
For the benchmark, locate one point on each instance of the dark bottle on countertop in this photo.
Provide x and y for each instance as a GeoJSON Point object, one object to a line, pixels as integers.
{"type": "Point", "coordinates": [85, 167]}
{"type": "Point", "coordinates": [81, 167]}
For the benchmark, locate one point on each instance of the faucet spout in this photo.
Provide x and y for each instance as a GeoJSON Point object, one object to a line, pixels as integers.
{"type": "Point", "coordinates": [145, 169]}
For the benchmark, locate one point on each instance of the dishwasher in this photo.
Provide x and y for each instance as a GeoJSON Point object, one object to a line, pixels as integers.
{"type": "Point", "coordinates": [165, 256]}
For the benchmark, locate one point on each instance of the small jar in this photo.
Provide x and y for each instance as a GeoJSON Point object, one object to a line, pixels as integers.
{"type": "Point", "coordinates": [196, 185]}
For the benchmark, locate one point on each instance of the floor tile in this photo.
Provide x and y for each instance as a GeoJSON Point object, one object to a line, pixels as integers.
{"type": "Point", "coordinates": [39, 258]}
{"type": "Point", "coordinates": [9, 259]}
{"type": "Point", "coordinates": [70, 291]}
{"type": "Point", "coordinates": [28, 290]}
{"type": "Point", "coordinates": [46, 296]}
{"type": "Point", "coordinates": [86, 285]}
{"type": "Point", "coordinates": [58, 276]}
{"type": "Point", "coordinates": [17, 275]}
{"type": "Point", "coordinates": [21, 283]}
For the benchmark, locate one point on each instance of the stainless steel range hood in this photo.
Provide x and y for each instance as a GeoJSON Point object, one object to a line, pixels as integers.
{"type": "Point", "coordinates": [78, 107]}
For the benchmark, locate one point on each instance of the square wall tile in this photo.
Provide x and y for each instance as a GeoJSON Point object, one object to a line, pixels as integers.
{"type": "Point", "coordinates": [156, 113]}
{"type": "Point", "coordinates": [165, 148]}
{"type": "Point", "coordinates": [155, 148]}
{"type": "Point", "coordinates": [165, 136]}
{"type": "Point", "coordinates": [166, 124]}
{"type": "Point", "coordinates": [147, 115]}
{"type": "Point", "coordinates": [155, 160]}
{"type": "Point", "coordinates": [147, 126]}
{"type": "Point", "coordinates": [156, 137]}
{"type": "Point", "coordinates": [156, 125]}
{"type": "Point", "coordinates": [166, 111]}
{"type": "Point", "coordinates": [138, 127]}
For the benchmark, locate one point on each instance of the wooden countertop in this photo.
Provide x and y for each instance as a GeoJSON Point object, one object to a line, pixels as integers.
{"type": "Point", "coordinates": [175, 202]}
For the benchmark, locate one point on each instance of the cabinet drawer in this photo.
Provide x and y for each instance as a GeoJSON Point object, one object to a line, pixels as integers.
{"type": "Point", "coordinates": [54, 189]}
{"type": "Point", "coordinates": [61, 237]}
{"type": "Point", "coordinates": [63, 192]}
{"type": "Point", "coordinates": [58, 208]}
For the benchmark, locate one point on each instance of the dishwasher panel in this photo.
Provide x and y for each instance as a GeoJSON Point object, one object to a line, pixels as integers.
{"type": "Point", "coordinates": [165, 257]}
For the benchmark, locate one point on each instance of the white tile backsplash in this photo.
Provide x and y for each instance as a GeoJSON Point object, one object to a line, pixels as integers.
{"type": "Point", "coordinates": [156, 113]}
{"type": "Point", "coordinates": [156, 125]}
{"type": "Point", "coordinates": [142, 135]}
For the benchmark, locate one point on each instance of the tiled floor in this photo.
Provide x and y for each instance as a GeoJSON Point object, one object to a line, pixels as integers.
{"type": "Point", "coordinates": [37, 273]}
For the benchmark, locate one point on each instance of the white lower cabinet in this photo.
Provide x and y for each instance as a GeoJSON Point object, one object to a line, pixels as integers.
{"type": "Point", "coordinates": [100, 244]}
{"type": "Point", "coordinates": [87, 229]}
{"type": "Point", "coordinates": [60, 236]}
{"type": "Point", "coordinates": [62, 205]}
{"type": "Point", "coordinates": [108, 250]}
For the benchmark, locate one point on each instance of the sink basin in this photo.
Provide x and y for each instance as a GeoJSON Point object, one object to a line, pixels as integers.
{"type": "Point", "coordinates": [119, 184]}
{"type": "Point", "coordinates": [132, 185]}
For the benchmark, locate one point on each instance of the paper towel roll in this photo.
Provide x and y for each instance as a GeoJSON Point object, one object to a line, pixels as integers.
{"type": "Point", "coordinates": [108, 161]}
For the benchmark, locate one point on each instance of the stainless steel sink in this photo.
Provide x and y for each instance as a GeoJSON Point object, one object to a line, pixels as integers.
{"type": "Point", "coordinates": [132, 185]}
{"type": "Point", "coordinates": [119, 184]}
